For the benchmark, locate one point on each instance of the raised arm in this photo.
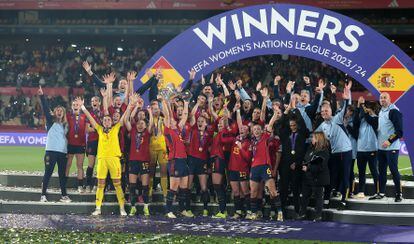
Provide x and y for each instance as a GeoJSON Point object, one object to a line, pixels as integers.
{"type": "Point", "coordinates": [98, 82]}
{"type": "Point", "coordinates": [45, 108]}
{"type": "Point", "coordinates": [272, 121]}
{"type": "Point", "coordinates": [276, 82]}
{"type": "Point", "coordinates": [221, 83]}
{"type": "Point", "coordinates": [165, 112]}
{"type": "Point", "coordinates": [308, 86]}
{"type": "Point", "coordinates": [86, 112]}
{"type": "Point", "coordinates": [127, 120]}
{"type": "Point", "coordinates": [211, 109]}
{"type": "Point", "coordinates": [243, 94]}
{"type": "Point", "coordinates": [339, 118]}
{"type": "Point", "coordinates": [193, 112]}
{"type": "Point", "coordinates": [132, 100]}
{"type": "Point", "coordinates": [238, 116]}
{"type": "Point", "coordinates": [184, 116]}
{"type": "Point", "coordinates": [104, 94]}
{"type": "Point", "coordinates": [265, 96]}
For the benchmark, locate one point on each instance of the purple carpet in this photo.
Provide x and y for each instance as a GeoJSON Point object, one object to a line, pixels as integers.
{"type": "Point", "coordinates": [306, 230]}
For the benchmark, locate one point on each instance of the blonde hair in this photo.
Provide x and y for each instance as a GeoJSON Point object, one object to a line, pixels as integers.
{"type": "Point", "coordinates": [64, 119]}
{"type": "Point", "coordinates": [322, 142]}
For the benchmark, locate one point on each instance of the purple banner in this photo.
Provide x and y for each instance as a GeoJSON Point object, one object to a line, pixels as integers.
{"type": "Point", "coordinates": [315, 33]}
{"type": "Point", "coordinates": [22, 139]}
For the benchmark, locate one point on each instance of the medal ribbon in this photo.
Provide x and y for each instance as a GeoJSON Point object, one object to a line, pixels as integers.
{"type": "Point", "coordinates": [201, 139]}
{"type": "Point", "coordinates": [138, 137]}
{"type": "Point", "coordinates": [76, 118]}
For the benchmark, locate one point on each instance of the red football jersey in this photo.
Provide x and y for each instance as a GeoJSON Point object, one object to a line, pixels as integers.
{"type": "Point", "coordinates": [260, 150]}
{"type": "Point", "coordinates": [199, 143]}
{"type": "Point", "coordinates": [120, 110]}
{"type": "Point", "coordinates": [77, 129]}
{"type": "Point", "coordinates": [217, 146]}
{"type": "Point", "coordinates": [122, 134]}
{"type": "Point", "coordinates": [140, 149]}
{"type": "Point", "coordinates": [240, 158]}
{"type": "Point", "coordinates": [175, 143]}
{"type": "Point", "coordinates": [274, 146]}
{"type": "Point", "coordinates": [97, 115]}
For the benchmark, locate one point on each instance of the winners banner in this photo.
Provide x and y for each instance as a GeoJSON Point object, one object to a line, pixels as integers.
{"type": "Point", "coordinates": [315, 33]}
{"type": "Point", "coordinates": [23, 139]}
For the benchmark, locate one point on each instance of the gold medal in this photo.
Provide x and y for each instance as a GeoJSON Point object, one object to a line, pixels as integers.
{"type": "Point", "coordinates": [200, 149]}
{"type": "Point", "coordinates": [293, 152]}
{"type": "Point", "coordinates": [76, 135]}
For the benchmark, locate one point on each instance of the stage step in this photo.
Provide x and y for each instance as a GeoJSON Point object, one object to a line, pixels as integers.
{"type": "Point", "coordinates": [33, 194]}
{"type": "Point", "coordinates": [345, 216]}
{"type": "Point", "coordinates": [36, 207]}
{"type": "Point", "coordinates": [20, 193]}
{"type": "Point", "coordinates": [33, 180]}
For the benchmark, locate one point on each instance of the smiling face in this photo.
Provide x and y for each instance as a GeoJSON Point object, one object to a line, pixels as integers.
{"type": "Point", "coordinates": [256, 114]}
{"type": "Point", "coordinates": [385, 99]}
{"type": "Point", "coordinates": [207, 91]}
{"type": "Point", "coordinates": [141, 125]}
{"type": "Point", "coordinates": [107, 122]}
{"type": "Point", "coordinates": [95, 102]}
{"type": "Point", "coordinates": [155, 109]}
{"type": "Point", "coordinates": [141, 115]}
{"type": "Point", "coordinates": [257, 131]}
{"type": "Point", "coordinates": [180, 112]}
{"type": "Point", "coordinates": [117, 101]}
{"type": "Point", "coordinates": [293, 125]}
{"type": "Point", "coordinates": [116, 117]}
{"type": "Point", "coordinates": [220, 124]}
{"type": "Point", "coordinates": [326, 111]}
{"type": "Point", "coordinates": [75, 106]}
{"type": "Point", "coordinates": [217, 103]}
{"type": "Point", "coordinates": [244, 131]}
{"type": "Point", "coordinates": [122, 85]}
{"type": "Point", "coordinates": [247, 105]}
{"type": "Point", "coordinates": [59, 112]}
{"type": "Point", "coordinates": [304, 97]}
{"type": "Point", "coordinates": [201, 123]}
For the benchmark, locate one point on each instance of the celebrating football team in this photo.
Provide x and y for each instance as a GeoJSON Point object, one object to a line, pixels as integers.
{"type": "Point", "coordinates": [216, 142]}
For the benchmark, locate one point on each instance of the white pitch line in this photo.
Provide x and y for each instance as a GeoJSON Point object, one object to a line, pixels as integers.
{"type": "Point", "coordinates": [156, 237]}
{"type": "Point", "coordinates": [405, 168]}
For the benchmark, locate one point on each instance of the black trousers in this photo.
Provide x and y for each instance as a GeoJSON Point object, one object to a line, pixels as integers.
{"type": "Point", "coordinates": [371, 158]}
{"type": "Point", "coordinates": [307, 191]}
{"type": "Point", "coordinates": [390, 159]}
{"type": "Point", "coordinates": [339, 171]}
{"type": "Point", "coordinates": [50, 160]}
{"type": "Point", "coordinates": [292, 178]}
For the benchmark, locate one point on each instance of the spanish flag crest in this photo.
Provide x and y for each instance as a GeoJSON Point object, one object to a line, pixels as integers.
{"type": "Point", "coordinates": [169, 73]}
{"type": "Point", "coordinates": [392, 77]}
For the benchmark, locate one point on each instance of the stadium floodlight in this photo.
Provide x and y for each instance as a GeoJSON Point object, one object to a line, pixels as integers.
{"type": "Point", "coordinates": [120, 49]}
{"type": "Point", "coordinates": [73, 45]}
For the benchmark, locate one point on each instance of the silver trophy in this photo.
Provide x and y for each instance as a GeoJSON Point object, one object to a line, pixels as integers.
{"type": "Point", "coordinates": [168, 91]}
{"type": "Point", "coordinates": [186, 95]}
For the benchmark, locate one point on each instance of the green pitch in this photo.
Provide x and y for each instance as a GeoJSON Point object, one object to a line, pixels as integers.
{"type": "Point", "coordinates": [31, 159]}
{"type": "Point", "coordinates": [52, 236]}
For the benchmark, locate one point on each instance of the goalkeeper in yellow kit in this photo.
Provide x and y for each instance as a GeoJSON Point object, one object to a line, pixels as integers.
{"type": "Point", "coordinates": [108, 155]}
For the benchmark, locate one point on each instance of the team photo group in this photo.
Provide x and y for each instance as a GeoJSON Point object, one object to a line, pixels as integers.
{"type": "Point", "coordinates": [218, 140]}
